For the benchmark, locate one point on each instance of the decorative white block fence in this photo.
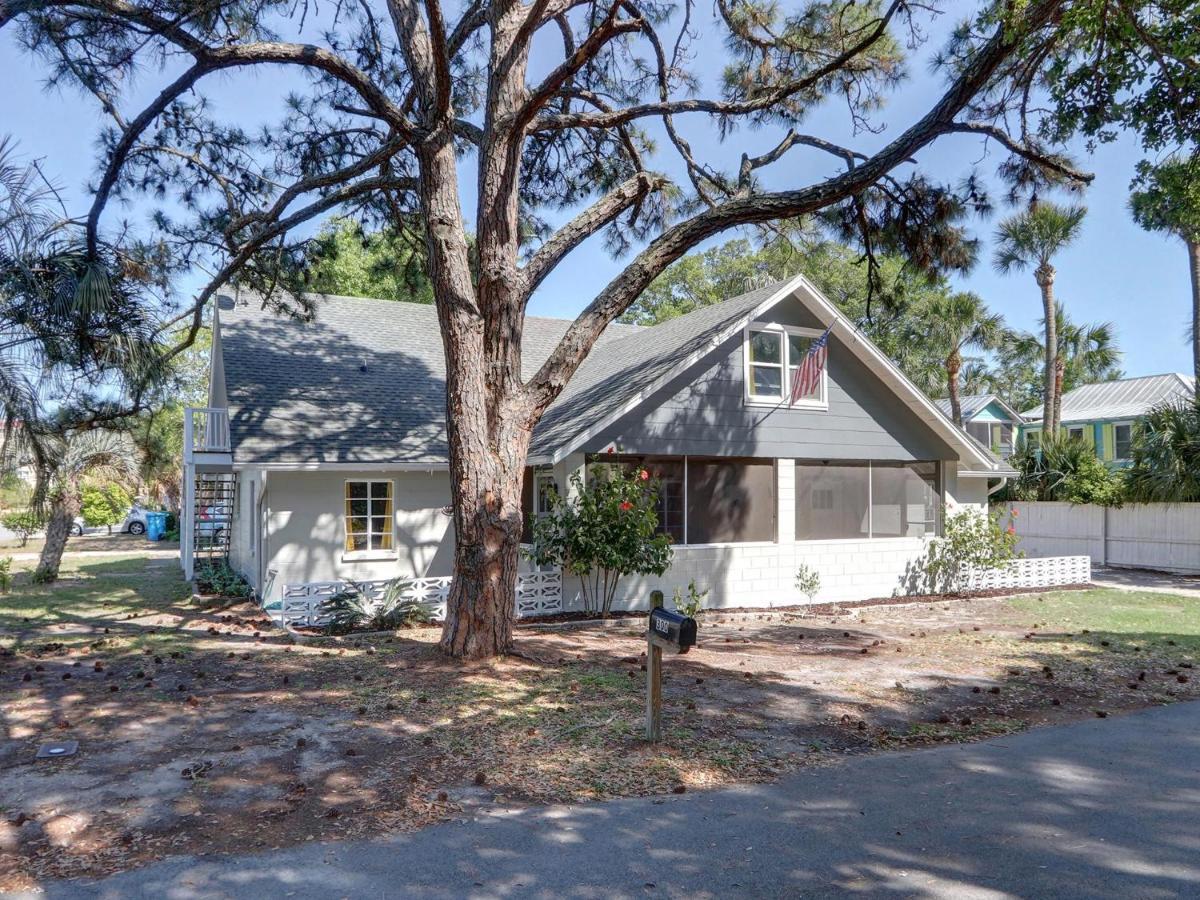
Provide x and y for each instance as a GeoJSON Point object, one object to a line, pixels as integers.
{"type": "Point", "coordinates": [538, 593]}
{"type": "Point", "coordinates": [1050, 571]}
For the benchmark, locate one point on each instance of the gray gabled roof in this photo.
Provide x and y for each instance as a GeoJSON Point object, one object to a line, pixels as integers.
{"type": "Point", "coordinates": [1126, 398]}
{"type": "Point", "coordinates": [973, 404]}
{"type": "Point", "coordinates": [364, 382]}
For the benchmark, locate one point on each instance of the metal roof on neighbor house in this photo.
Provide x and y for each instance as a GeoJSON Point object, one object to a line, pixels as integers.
{"type": "Point", "coordinates": [1126, 398]}
{"type": "Point", "coordinates": [973, 404]}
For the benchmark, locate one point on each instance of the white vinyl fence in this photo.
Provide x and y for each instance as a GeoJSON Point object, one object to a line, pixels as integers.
{"type": "Point", "coordinates": [1162, 536]}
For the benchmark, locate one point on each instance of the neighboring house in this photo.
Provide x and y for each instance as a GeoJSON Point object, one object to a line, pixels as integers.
{"type": "Point", "coordinates": [989, 420]}
{"type": "Point", "coordinates": [331, 436]}
{"type": "Point", "coordinates": [1104, 414]}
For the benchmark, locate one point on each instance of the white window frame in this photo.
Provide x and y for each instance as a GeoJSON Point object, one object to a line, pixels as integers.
{"type": "Point", "coordinates": [352, 555]}
{"type": "Point", "coordinates": [540, 476]}
{"type": "Point", "coordinates": [1115, 426]}
{"type": "Point", "coordinates": [1071, 429]}
{"type": "Point", "coordinates": [786, 365]}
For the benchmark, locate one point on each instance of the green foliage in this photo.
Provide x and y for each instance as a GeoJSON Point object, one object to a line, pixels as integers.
{"type": "Point", "coordinates": [1168, 197]}
{"type": "Point", "coordinates": [1089, 352]}
{"type": "Point", "coordinates": [105, 504]}
{"type": "Point", "coordinates": [694, 601]}
{"type": "Point", "coordinates": [220, 579]}
{"type": "Point", "coordinates": [1032, 238]}
{"type": "Point", "coordinates": [1126, 65]}
{"type": "Point", "coordinates": [971, 541]}
{"type": "Point", "coordinates": [607, 530]}
{"type": "Point", "coordinates": [343, 259]}
{"type": "Point", "coordinates": [6, 574]}
{"type": "Point", "coordinates": [1165, 465]}
{"type": "Point", "coordinates": [352, 609]}
{"type": "Point", "coordinates": [1064, 469]}
{"type": "Point", "coordinates": [808, 581]}
{"type": "Point", "coordinates": [23, 523]}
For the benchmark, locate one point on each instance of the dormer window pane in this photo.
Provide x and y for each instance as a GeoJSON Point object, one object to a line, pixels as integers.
{"type": "Point", "coordinates": [767, 382]}
{"type": "Point", "coordinates": [765, 347]}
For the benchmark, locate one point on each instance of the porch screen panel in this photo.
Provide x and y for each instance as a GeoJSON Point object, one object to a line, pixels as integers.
{"type": "Point", "coordinates": [730, 501]}
{"type": "Point", "coordinates": [904, 499]}
{"type": "Point", "coordinates": [832, 501]}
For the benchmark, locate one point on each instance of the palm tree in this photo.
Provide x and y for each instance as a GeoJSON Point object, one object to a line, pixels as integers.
{"type": "Point", "coordinates": [1166, 456]}
{"type": "Point", "coordinates": [1031, 240]}
{"type": "Point", "coordinates": [954, 323]}
{"type": "Point", "coordinates": [65, 460]}
{"type": "Point", "coordinates": [1086, 354]}
{"type": "Point", "coordinates": [1169, 201]}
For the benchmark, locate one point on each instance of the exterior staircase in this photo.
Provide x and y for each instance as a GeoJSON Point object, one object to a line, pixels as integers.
{"type": "Point", "coordinates": [209, 488]}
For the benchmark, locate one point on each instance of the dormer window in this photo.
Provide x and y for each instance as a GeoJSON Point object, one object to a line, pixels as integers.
{"type": "Point", "coordinates": [772, 354]}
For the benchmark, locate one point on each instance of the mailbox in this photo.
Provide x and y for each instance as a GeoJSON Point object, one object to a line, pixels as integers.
{"type": "Point", "coordinates": [673, 628]}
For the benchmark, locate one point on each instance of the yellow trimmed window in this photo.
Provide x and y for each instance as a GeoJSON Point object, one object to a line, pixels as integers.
{"type": "Point", "coordinates": [368, 516]}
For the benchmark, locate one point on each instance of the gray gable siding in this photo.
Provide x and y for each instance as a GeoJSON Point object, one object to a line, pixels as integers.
{"type": "Point", "coordinates": [702, 412]}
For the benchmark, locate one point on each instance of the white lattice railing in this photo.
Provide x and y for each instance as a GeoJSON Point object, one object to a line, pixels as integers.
{"type": "Point", "coordinates": [537, 593]}
{"type": "Point", "coordinates": [1046, 571]}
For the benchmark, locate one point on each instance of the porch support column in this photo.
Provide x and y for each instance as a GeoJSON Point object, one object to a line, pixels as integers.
{"type": "Point", "coordinates": [785, 501]}
{"type": "Point", "coordinates": [573, 463]}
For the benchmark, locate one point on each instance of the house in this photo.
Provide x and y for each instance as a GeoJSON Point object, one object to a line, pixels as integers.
{"type": "Point", "coordinates": [326, 443]}
{"type": "Point", "coordinates": [989, 420]}
{"type": "Point", "coordinates": [1104, 414]}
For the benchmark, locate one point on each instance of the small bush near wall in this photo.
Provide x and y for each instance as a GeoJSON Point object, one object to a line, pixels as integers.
{"type": "Point", "coordinates": [607, 530]}
{"type": "Point", "coordinates": [693, 603]}
{"type": "Point", "coordinates": [1064, 469]}
{"type": "Point", "coordinates": [352, 609]}
{"type": "Point", "coordinates": [220, 580]}
{"type": "Point", "coordinates": [808, 581]}
{"type": "Point", "coordinates": [972, 541]}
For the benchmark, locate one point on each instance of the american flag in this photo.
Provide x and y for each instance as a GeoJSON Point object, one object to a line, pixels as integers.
{"type": "Point", "coordinates": [808, 373]}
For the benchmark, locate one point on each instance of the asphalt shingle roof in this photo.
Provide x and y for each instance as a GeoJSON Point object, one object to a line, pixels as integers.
{"type": "Point", "coordinates": [365, 381]}
{"type": "Point", "coordinates": [1126, 398]}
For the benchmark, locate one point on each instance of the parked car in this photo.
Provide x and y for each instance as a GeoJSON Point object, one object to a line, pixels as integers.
{"type": "Point", "coordinates": [211, 523]}
{"type": "Point", "coordinates": [135, 520]}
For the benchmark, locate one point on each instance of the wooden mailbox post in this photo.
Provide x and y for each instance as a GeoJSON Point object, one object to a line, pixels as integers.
{"type": "Point", "coordinates": [666, 629]}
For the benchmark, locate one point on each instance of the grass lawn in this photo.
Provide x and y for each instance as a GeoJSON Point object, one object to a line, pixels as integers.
{"type": "Point", "coordinates": [207, 732]}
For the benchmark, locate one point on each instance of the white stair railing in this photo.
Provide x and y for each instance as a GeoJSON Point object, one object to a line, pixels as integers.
{"type": "Point", "coordinates": [205, 430]}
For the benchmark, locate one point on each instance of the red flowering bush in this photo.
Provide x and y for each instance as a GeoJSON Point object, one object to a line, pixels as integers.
{"type": "Point", "coordinates": [609, 528]}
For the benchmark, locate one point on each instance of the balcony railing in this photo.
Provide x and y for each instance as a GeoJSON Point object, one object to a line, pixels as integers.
{"type": "Point", "coordinates": [205, 430]}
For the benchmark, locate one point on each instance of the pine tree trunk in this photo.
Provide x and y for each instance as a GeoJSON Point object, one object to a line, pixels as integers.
{"type": "Point", "coordinates": [1194, 268]}
{"type": "Point", "coordinates": [63, 510]}
{"type": "Point", "coordinates": [953, 366]}
{"type": "Point", "coordinates": [1045, 280]}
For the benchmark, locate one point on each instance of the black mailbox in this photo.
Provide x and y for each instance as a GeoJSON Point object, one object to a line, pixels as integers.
{"type": "Point", "coordinates": [674, 628]}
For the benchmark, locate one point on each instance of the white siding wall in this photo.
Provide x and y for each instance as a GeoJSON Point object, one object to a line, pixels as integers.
{"type": "Point", "coordinates": [307, 533]}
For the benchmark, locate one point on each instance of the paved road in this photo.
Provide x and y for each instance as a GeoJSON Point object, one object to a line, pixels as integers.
{"type": "Point", "coordinates": [1103, 808]}
{"type": "Point", "coordinates": [1146, 580]}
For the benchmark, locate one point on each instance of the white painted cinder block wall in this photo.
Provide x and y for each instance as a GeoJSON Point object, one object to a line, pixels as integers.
{"type": "Point", "coordinates": [304, 543]}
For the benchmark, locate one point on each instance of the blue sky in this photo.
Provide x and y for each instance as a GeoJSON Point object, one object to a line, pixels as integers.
{"type": "Point", "coordinates": [1116, 272]}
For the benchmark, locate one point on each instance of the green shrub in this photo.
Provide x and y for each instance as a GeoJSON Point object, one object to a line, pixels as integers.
{"type": "Point", "coordinates": [5, 574]}
{"type": "Point", "coordinates": [220, 579]}
{"type": "Point", "coordinates": [1165, 465]}
{"type": "Point", "coordinates": [104, 504]}
{"type": "Point", "coordinates": [1064, 469]}
{"type": "Point", "coordinates": [694, 601]}
{"type": "Point", "coordinates": [971, 540]}
{"type": "Point", "coordinates": [23, 523]}
{"type": "Point", "coordinates": [609, 529]}
{"type": "Point", "coordinates": [808, 581]}
{"type": "Point", "coordinates": [352, 609]}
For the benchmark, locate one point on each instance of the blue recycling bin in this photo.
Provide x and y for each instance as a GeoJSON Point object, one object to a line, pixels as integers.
{"type": "Point", "coordinates": [156, 525]}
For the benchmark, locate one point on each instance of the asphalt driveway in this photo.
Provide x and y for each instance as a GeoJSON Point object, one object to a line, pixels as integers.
{"type": "Point", "coordinates": [1101, 808]}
